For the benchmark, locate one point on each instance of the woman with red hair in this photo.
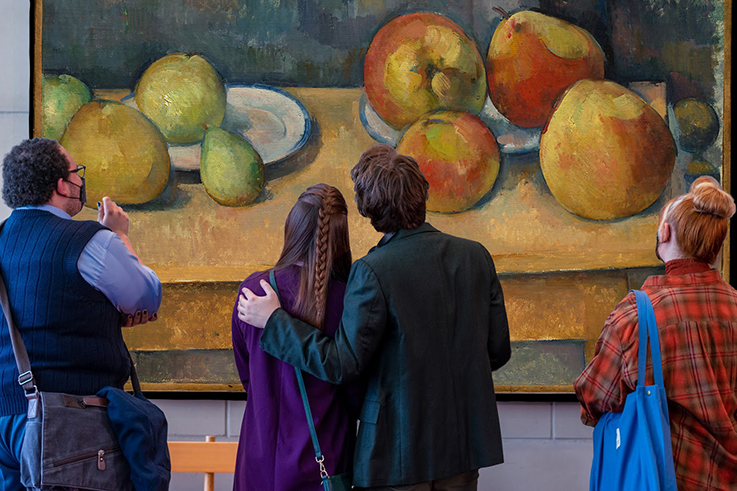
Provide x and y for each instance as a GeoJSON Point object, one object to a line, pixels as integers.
{"type": "Point", "coordinates": [696, 314]}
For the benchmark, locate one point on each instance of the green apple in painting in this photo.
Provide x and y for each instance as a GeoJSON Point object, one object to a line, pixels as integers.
{"type": "Point", "coordinates": [458, 155]}
{"type": "Point", "coordinates": [419, 63]}
{"type": "Point", "coordinates": [182, 94]}
{"type": "Point", "coordinates": [606, 153]}
{"type": "Point", "coordinates": [61, 98]}
{"type": "Point", "coordinates": [125, 154]}
{"type": "Point", "coordinates": [533, 58]}
{"type": "Point", "coordinates": [230, 168]}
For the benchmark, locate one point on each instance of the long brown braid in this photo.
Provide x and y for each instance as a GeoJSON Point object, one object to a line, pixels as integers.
{"type": "Point", "coordinates": [332, 203]}
{"type": "Point", "coordinates": [316, 236]}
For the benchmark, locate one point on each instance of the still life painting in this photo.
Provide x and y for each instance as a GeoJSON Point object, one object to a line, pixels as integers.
{"type": "Point", "coordinates": [550, 131]}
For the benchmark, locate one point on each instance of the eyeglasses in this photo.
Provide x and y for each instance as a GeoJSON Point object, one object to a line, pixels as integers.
{"type": "Point", "coordinates": [79, 170]}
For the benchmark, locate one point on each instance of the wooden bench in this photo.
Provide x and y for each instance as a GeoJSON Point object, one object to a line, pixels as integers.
{"type": "Point", "coordinates": [208, 457]}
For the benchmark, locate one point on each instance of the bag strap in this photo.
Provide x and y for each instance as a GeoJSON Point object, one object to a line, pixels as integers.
{"type": "Point", "coordinates": [26, 379]}
{"type": "Point", "coordinates": [646, 318]}
{"type": "Point", "coordinates": [319, 457]}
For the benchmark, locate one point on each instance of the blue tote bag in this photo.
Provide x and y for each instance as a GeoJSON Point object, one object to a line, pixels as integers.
{"type": "Point", "coordinates": [632, 449]}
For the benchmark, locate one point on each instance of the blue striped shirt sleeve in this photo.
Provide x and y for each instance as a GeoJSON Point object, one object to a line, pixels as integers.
{"type": "Point", "coordinates": [108, 265]}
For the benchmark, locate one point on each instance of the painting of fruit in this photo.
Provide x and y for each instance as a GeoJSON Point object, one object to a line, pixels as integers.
{"type": "Point", "coordinates": [125, 154]}
{"type": "Point", "coordinates": [419, 63]}
{"type": "Point", "coordinates": [698, 124]}
{"type": "Point", "coordinates": [457, 154]}
{"type": "Point", "coordinates": [551, 132]}
{"type": "Point", "coordinates": [606, 153]}
{"type": "Point", "coordinates": [62, 96]}
{"type": "Point", "coordinates": [532, 59]}
{"type": "Point", "coordinates": [232, 171]}
{"type": "Point", "coordinates": [181, 93]}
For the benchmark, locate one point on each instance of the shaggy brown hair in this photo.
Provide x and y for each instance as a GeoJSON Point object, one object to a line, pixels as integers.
{"type": "Point", "coordinates": [390, 189]}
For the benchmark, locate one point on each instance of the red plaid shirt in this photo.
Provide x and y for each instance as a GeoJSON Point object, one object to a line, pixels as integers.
{"type": "Point", "coordinates": [696, 315]}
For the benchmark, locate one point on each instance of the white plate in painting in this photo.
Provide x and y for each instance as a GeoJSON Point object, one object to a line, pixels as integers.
{"type": "Point", "coordinates": [276, 124]}
{"type": "Point", "coordinates": [510, 137]}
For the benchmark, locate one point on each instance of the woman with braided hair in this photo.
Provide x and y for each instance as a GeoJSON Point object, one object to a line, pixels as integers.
{"type": "Point", "coordinates": [275, 452]}
{"type": "Point", "coordinates": [696, 315]}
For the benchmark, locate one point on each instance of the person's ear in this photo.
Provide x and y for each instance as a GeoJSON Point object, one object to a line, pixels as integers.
{"type": "Point", "coordinates": [666, 232]}
{"type": "Point", "coordinates": [61, 187]}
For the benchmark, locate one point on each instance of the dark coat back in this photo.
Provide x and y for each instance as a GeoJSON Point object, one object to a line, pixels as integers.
{"type": "Point", "coordinates": [424, 322]}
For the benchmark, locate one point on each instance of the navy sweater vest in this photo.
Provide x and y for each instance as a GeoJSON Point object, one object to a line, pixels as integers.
{"type": "Point", "coordinates": [70, 329]}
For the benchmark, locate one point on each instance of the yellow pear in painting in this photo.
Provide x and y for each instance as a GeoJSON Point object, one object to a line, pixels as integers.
{"type": "Point", "coordinates": [182, 94]}
{"type": "Point", "coordinates": [126, 155]}
{"type": "Point", "coordinates": [606, 153]}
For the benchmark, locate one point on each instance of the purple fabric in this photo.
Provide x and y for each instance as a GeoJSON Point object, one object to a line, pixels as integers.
{"type": "Point", "coordinates": [275, 452]}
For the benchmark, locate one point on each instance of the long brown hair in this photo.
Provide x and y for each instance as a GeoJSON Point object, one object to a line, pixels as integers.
{"type": "Point", "coordinates": [700, 219]}
{"type": "Point", "coordinates": [316, 237]}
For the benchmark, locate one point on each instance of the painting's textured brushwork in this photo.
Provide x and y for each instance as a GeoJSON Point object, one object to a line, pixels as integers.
{"type": "Point", "coordinates": [421, 62]}
{"type": "Point", "coordinates": [125, 153]}
{"type": "Point", "coordinates": [550, 132]}
{"type": "Point", "coordinates": [606, 153]}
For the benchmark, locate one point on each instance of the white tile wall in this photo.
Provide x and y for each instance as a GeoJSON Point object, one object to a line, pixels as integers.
{"type": "Point", "coordinates": [15, 78]}
{"type": "Point", "coordinates": [567, 422]}
{"type": "Point", "coordinates": [235, 417]}
{"type": "Point", "coordinates": [189, 420]}
{"type": "Point", "coordinates": [524, 420]}
{"type": "Point", "coordinates": [16, 68]}
{"type": "Point", "coordinates": [546, 447]}
{"type": "Point", "coordinates": [540, 465]}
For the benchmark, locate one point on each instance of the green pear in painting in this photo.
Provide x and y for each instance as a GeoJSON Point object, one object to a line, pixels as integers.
{"type": "Point", "coordinates": [231, 170]}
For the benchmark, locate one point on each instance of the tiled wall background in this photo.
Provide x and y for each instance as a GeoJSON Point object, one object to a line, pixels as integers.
{"type": "Point", "coordinates": [546, 447]}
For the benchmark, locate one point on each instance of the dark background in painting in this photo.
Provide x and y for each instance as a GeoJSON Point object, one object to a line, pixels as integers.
{"type": "Point", "coordinates": [322, 43]}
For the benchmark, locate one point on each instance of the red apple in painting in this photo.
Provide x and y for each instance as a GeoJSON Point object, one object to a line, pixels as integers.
{"type": "Point", "coordinates": [458, 155]}
{"type": "Point", "coordinates": [606, 153]}
{"type": "Point", "coordinates": [419, 63]}
{"type": "Point", "coordinates": [533, 58]}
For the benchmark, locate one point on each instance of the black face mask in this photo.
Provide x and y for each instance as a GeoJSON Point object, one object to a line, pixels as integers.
{"type": "Point", "coordinates": [82, 191]}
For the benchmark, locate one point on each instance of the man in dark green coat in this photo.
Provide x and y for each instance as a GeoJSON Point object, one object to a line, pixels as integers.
{"type": "Point", "coordinates": [424, 323]}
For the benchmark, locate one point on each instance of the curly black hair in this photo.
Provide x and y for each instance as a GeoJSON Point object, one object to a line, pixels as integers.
{"type": "Point", "coordinates": [31, 170]}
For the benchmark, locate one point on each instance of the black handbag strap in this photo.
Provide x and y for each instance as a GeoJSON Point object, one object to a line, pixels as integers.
{"type": "Point", "coordinates": [25, 377]}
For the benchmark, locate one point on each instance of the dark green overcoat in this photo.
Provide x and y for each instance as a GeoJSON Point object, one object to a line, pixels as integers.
{"type": "Point", "coordinates": [424, 323]}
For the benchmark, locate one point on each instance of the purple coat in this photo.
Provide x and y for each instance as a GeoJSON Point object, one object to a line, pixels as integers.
{"type": "Point", "coordinates": [275, 452]}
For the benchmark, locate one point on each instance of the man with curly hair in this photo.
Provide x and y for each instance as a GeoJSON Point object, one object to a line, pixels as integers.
{"type": "Point", "coordinates": [424, 322]}
{"type": "Point", "coordinates": [71, 286]}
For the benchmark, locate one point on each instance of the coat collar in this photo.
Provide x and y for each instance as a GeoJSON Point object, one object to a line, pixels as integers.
{"type": "Point", "coordinates": [403, 233]}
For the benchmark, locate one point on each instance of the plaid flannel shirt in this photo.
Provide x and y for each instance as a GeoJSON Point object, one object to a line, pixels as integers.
{"type": "Point", "coordinates": [697, 325]}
